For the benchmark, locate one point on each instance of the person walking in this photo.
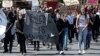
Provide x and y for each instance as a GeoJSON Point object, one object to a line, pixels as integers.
{"type": "Point", "coordinates": [81, 25]}
{"type": "Point", "coordinates": [60, 27]}
{"type": "Point", "coordinates": [8, 34]}
{"type": "Point", "coordinates": [70, 19]}
{"type": "Point", "coordinates": [65, 40]}
{"type": "Point", "coordinates": [19, 30]}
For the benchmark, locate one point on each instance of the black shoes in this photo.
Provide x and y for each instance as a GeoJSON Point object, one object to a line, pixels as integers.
{"type": "Point", "coordinates": [36, 49]}
{"type": "Point", "coordinates": [95, 40]}
{"type": "Point", "coordinates": [66, 49]}
{"type": "Point", "coordinates": [5, 52]}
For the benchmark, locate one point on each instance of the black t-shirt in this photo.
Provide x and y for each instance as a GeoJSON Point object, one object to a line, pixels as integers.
{"type": "Point", "coordinates": [66, 24]}
{"type": "Point", "coordinates": [60, 25]}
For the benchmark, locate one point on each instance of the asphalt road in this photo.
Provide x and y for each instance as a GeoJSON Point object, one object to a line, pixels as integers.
{"type": "Point", "coordinates": [45, 51]}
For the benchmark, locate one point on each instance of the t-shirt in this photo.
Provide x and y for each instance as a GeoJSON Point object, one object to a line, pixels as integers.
{"type": "Point", "coordinates": [60, 25]}
{"type": "Point", "coordinates": [83, 20]}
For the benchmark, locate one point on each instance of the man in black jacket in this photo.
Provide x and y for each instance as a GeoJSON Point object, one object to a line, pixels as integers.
{"type": "Point", "coordinates": [96, 28]}
{"type": "Point", "coordinates": [8, 35]}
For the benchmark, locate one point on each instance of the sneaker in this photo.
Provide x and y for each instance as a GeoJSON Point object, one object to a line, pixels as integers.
{"type": "Point", "coordinates": [79, 52]}
{"type": "Point", "coordinates": [18, 45]}
{"type": "Point", "coordinates": [66, 49]}
{"type": "Point", "coordinates": [83, 52]}
{"type": "Point", "coordinates": [2, 44]}
{"type": "Point", "coordinates": [61, 52]}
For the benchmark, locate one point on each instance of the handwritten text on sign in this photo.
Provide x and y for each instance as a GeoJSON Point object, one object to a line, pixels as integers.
{"type": "Point", "coordinates": [36, 28]}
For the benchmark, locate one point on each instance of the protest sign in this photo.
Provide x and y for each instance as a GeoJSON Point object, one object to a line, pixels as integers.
{"type": "Point", "coordinates": [7, 3]}
{"type": "Point", "coordinates": [36, 27]}
{"type": "Point", "coordinates": [71, 2]}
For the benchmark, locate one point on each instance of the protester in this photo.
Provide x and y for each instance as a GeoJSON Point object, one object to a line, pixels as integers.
{"type": "Point", "coordinates": [19, 30]}
{"type": "Point", "coordinates": [81, 24]}
{"type": "Point", "coordinates": [60, 26]}
{"type": "Point", "coordinates": [65, 40]}
{"type": "Point", "coordinates": [70, 19]}
{"type": "Point", "coordinates": [96, 28]}
{"type": "Point", "coordinates": [8, 35]}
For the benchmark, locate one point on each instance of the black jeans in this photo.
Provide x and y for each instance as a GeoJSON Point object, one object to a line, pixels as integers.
{"type": "Point", "coordinates": [8, 38]}
{"type": "Point", "coordinates": [59, 42]}
{"type": "Point", "coordinates": [95, 31]}
{"type": "Point", "coordinates": [36, 45]}
{"type": "Point", "coordinates": [22, 42]}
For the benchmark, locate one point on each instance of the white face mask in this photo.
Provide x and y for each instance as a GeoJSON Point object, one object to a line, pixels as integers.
{"type": "Point", "coordinates": [57, 15]}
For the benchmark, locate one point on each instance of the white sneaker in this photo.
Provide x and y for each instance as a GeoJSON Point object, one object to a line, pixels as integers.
{"type": "Point", "coordinates": [2, 44]}
{"type": "Point", "coordinates": [83, 52]}
{"type": "Point", "coordinates": [79, 52]}
{"type": "Point", "coordinates": [18, 45]}
{"type": "Point", "coordinates": [61, 52]}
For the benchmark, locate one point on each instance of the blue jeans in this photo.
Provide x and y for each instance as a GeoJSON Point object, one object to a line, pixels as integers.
{"type": "Point", "coordinates": [82, 35]}
{"type": "Point", "coordinates": [65, 39]}
{"type": "Point", "coordinates": [89, 35]}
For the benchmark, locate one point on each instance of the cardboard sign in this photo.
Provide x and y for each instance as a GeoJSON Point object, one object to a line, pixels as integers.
{"type": "Point", "coordinates": [92, 1]}
{"type": "Point", "coordinates": [71, 2]}
{"type": "Point", "coordinates": [7, 3]}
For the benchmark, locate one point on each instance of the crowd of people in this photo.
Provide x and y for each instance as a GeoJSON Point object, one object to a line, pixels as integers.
{"type": "Point", "coordinates": [81, 24]}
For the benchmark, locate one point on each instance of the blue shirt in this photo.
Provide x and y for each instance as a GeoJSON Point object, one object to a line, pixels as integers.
{"type": "Point", "coordinates": [70, 19]}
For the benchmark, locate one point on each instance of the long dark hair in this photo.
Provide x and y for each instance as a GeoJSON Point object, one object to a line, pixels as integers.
{"type": "Point", "coordinates": [85, 14]}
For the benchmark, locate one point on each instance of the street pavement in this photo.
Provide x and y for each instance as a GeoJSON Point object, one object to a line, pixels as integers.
{"type": "Point", "coordinates": [45, 51]}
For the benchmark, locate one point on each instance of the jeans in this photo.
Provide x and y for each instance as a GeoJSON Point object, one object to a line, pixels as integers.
{"type": "Point", "coordinates": [65, 39]}
{"type": "Point", "coordinates": [71, 32]}
{"type": "Point", "coordinates": [88, 41]}
{"type": "Point", "coordinates": [82, 35]}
